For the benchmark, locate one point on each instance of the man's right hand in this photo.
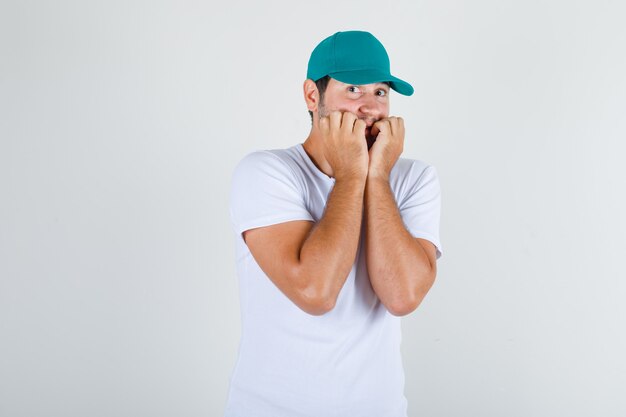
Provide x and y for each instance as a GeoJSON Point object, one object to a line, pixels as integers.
{"type": "Point", "coordinates": [345, 147]}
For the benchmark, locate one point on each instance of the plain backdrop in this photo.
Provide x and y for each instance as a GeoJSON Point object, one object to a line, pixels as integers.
{"type": "Point", "coordinates": [121, 122]}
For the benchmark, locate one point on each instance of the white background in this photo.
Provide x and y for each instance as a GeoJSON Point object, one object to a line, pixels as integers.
{"type": "Point", "coordinates": [121, 122]}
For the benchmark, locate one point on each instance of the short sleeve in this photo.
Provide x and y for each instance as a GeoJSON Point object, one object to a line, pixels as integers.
{"type": "Point", "coordinates": [265, 191]}
{"type": "Point", "coordinates": [421, 207]}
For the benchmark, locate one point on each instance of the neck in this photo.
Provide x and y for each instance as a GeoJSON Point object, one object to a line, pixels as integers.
{"type": "Point", "coordinates": [314, 147]}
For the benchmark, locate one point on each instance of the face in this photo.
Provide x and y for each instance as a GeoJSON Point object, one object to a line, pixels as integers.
{"type": "Point", "coordinates": [369, 102]}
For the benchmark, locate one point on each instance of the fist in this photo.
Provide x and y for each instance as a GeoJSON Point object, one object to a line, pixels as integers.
{"type": "Point", "coordinates": [344, 144]}
{"type": "Point", "coordinates": [388, 146]}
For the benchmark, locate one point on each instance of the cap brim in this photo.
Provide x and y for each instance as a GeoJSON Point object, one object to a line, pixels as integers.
{"type": "Point", "coordinates": [361, 77]}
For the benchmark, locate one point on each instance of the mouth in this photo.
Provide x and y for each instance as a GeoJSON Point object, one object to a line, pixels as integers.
{"type": "Point", "coordinates": [368, 137]}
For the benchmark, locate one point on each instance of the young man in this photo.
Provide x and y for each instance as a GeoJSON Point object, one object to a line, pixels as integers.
{"type": "Point", "coordinates": [336, 238]}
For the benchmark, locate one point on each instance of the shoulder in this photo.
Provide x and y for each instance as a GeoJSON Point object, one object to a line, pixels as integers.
{"type": "Point", "coordinates": [412, 171]}
{"type": "Point", "coordinates": [413, 179]}
{"type": "Point", "coordinates": [260, 158]}
{"type": "Point", "coordinates": [260, 161]}
{"type": "Point", "coordinates": [267, 168]}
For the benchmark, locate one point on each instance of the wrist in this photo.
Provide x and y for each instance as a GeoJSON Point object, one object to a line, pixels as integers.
{"type": "Point", "coordinates": [351, 182]}
{"type": "Point", "coordinates": [357, 177]}
{"type": "Point", "coordinates": [377, 175]}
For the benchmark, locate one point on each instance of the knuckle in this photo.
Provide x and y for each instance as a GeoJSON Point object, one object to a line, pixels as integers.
{"type": "Point", "coordinates": [348, 116]}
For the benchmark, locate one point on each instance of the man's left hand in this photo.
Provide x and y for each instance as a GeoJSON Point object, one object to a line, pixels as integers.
{"type": "Point", "coordinates": [387, 148]}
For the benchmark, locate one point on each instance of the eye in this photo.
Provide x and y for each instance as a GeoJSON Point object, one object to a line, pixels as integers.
{"type": "Point", "coordinates": [352, 89]}
{"type": "Point", "coordinates": [384, 92]}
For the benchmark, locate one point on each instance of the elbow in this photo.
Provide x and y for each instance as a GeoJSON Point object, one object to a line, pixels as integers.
{"type": "Point", "coordinates": [318, 308]}
{"type": "Point", "coordinates": [407, 302]}
{"type": "Point", "coordinates": [316, 303]}
{"type": "Point", "coordinates": [402, 307]}
{"type": "Point", "coordinates": [315, 298]}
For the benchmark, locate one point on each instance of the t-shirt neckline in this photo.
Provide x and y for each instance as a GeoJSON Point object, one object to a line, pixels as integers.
{"type": "Point", "coordinates": [311, 165]}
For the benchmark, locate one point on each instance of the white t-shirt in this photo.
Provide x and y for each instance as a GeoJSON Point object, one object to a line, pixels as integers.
{"type": "Point", "coordinates": [346, 362]}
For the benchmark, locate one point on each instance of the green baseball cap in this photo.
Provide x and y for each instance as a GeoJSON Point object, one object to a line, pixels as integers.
{"type": "Point", "coordinates": [354, 57]}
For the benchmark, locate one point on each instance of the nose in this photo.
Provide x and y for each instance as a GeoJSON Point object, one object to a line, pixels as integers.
{"type": "Point", "coordinates": [370, 106]}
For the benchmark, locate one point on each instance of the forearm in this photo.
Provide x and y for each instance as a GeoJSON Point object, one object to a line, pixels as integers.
{"type": "Point", "coordinates": [398, 267]}
{"type": "Point", "coordinates": [328, 253]}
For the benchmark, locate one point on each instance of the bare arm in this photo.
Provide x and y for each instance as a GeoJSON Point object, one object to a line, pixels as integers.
{"type": "Point", "coordinates": [402, 268]}
{"type": "Point", "coordinates": [310, 263]}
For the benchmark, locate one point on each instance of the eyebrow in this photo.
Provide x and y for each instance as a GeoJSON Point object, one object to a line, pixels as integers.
{"type": "Point", "coordinates": [376, 84]}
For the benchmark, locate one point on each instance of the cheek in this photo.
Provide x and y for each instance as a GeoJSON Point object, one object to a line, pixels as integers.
{"type": "Point", "coordinates": [343, 105]}
{"type": "Point", "coordinates": [352, 107]}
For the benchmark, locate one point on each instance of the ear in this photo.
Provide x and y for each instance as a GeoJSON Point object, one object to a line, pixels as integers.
{"type": "Point", "coordinates": [311, 94]}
